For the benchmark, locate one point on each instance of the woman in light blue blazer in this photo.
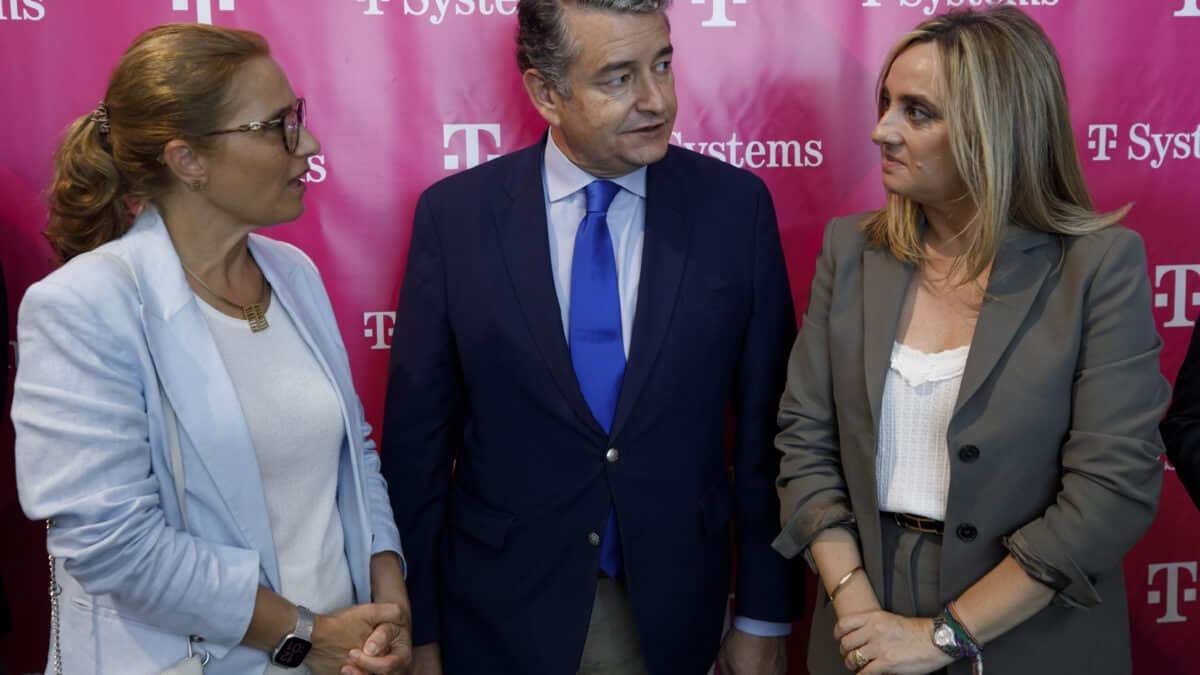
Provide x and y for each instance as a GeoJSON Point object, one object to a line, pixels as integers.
{"type": "Point", "coordinates": [184, 409]}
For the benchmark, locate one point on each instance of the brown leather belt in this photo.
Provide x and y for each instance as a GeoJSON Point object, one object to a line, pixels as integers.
{"type": "Point", "coordinates": [918, 523]}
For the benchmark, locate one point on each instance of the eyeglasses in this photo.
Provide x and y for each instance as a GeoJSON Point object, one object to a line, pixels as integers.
{"type": "Point", "coordinates": [290, 124]}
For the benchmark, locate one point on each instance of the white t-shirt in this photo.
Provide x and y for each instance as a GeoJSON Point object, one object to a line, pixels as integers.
{"type": "Point", "coordinates": [296, 424]}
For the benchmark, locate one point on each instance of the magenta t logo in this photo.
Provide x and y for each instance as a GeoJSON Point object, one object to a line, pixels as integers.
{"type": "Point", "coordinates": [1176, 594]}
{"type": "Point", "coordinates": [1174, 294]}
{"type": "Point", "coordinates": [1102, 138]}
{"type": "Point", "coordinates": [203, 8]}
{"type": "Point", "coordinates": [379, 326]}
{"type": "Point", "coordinates": [373, 7]}
{"type": "Point", "coordinates": [720, 17]}
{"type": "Point", "coordinates": [473, 151]}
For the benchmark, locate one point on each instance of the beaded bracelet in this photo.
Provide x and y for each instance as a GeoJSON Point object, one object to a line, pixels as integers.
{"type": "Point", "coordinates": [958, 622]}
{"type": "Point", "coordinates": [968, 646]}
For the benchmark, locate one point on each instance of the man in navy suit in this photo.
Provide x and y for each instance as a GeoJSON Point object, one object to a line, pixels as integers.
{"type": "Point", "coordinates": [576, 323]}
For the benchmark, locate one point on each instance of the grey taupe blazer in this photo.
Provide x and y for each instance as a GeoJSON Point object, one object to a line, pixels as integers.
{"type": "Point", "coordinates": [1054, 447]}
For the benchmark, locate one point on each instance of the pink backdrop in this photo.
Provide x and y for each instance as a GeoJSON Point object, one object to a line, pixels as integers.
{"type": "Point", "coordinates": [405, 92]}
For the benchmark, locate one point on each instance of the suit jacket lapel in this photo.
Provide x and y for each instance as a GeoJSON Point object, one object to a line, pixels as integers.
{"type": "Point", "coordinates": [1016, 277]}
{"type": "Point", "coordinates": [664, 257]}
{"type": "Point", "coordinates": [521, 226]}
{"type": "Point", "coordinates": [192, 373]}
{"type": "Point", "coordinates": [885, 283]}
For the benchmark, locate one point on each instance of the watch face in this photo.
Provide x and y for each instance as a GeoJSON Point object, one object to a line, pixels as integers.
{"type": "Point", "coordinates": [943, 636]}
{"type": "Point", "coordinates": [292, 652]}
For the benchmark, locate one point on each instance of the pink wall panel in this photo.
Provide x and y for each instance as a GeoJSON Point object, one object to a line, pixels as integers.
{"type": "Point", "coordinates": [404, 92]}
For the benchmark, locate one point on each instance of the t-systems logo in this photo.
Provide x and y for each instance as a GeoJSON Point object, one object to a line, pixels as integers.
{"type": "Point", "coordinates": [758, 154]}
{"type": "Point", "coordinates": [22, 10]}
{"type": "Point", "coordinates": [437, 11]}
{"type": "Point", "coordinates": [203, 8]}
{"type": "Point", "coordinates": [931, 7]}
{"type": "Point", "coordinates": [1191, 8]}
{"type": "Point", "coordinates": [1144, 143]}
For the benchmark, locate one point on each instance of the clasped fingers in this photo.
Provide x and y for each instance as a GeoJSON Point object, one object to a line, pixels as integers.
{"type": "Point", "coordinates": [388, 651]}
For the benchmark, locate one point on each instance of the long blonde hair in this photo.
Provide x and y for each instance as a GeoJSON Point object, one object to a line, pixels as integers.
{"type": "Point", "coordinates": [1010, 135]}
{"type": "Point", "coordinates": [172, 82]}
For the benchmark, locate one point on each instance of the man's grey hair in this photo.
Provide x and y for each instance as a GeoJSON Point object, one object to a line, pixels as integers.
{"type": "Point", "coordinates": [545, 43]}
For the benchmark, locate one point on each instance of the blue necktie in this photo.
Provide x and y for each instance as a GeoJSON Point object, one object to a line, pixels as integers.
{"type": "Point", "coordinates": [597, 350]}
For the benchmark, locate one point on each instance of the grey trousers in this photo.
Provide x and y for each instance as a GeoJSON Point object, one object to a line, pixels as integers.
{"type": "Point", "coordinates": [912, 574]}
{"type": "Point", "coordinates": [612, 646]}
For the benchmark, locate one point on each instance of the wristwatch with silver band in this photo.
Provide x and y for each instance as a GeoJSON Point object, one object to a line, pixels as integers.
{"type": "Point", "coordinates": [294, 646]}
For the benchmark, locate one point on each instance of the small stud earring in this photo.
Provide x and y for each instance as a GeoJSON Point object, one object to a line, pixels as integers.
{"type": "Point", "coordinates": [197, 185]}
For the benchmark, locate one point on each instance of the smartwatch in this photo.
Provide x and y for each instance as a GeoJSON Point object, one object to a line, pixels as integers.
{"type": "Point", "coordinates": [294, 646]}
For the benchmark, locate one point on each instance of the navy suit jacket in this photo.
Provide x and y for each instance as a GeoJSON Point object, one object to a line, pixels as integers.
{"type": "Point", "coordinates": [497, 469]}
{"type": "Point", "coordinates": [1181, 428]}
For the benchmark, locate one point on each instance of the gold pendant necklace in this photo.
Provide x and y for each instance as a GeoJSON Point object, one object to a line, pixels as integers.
{"type": "Point", "coordinates": [255, 314]}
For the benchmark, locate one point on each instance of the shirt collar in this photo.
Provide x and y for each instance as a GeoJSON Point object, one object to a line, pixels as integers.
{"type": "Point", "coordinates": [564, 179]}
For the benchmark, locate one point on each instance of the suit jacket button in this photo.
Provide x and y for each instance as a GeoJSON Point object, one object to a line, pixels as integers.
{"type": "Point", "coordinates": [593, 539]}
{"type": "Point", "coordinates": [967, 532]}
{"type": "Point", "coordinates": [612, 455]}
{"type": "Point", "coordinates": [968, 453]}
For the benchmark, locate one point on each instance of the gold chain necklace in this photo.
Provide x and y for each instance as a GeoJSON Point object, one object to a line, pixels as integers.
{"type": "Point", "coordinates": [255, 314]}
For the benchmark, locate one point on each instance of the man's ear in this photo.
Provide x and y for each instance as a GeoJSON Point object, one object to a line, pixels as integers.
{"type": "Point", "coordinates": [187, 164]}
{"type": "Point", "coordinates": [543, 96]}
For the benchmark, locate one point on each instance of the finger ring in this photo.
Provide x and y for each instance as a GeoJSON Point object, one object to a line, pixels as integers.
{"type": "Point", "coordinates": [860, 661]}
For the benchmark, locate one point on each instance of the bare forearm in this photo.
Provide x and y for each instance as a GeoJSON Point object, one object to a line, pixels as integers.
{"type": "Point", "coordinates": [835, 552]}
{"type": "Point", "coordinates": [1001, 600]}
{"type": "Point", "coordinates": [274, 617]}
{"type": "Point", "coordinates": [387, 578]}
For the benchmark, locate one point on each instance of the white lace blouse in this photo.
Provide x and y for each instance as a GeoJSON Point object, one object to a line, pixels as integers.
{"type": "Point", "coordinates": [912, 461]}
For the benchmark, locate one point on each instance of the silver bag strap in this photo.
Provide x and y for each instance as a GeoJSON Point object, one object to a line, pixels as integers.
{"type": "Point", "coordinates": [55, 591]}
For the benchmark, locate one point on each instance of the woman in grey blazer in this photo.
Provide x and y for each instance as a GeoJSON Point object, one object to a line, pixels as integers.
{"type": "Point", "coordinates": [969, 426]}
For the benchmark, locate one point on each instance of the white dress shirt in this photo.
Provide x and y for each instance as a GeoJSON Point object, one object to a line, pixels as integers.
{"type": "Point", "coordinates": [566, 206]}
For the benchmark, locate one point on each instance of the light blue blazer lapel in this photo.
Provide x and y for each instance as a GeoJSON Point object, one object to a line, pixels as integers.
{"type": "Point", "coordinates": [197, 384]}
{"type": "Point", "coordinates": [298, 289]}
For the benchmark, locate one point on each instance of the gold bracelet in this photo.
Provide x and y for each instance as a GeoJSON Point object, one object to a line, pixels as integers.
{"type": "Point", "coordinates": [842, 583]}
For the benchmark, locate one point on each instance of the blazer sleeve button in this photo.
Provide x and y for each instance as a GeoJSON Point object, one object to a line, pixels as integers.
{"type": "Point", "coordinates": [968, 453]}
{"type": "Point", "coordinates": [967, 532]}
{"type": "Point", "coordinates": [593, 538]}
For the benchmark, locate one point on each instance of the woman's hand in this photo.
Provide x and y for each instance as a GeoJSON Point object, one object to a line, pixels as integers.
{"type": "Point", "coordinates": [337, 635]}
{"type": "Point", "coordinates": [387, 652]}
{"type": "Point", "coordinates": [891, 644]}
{"type": "Point", "coordinates": [388, 649]}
